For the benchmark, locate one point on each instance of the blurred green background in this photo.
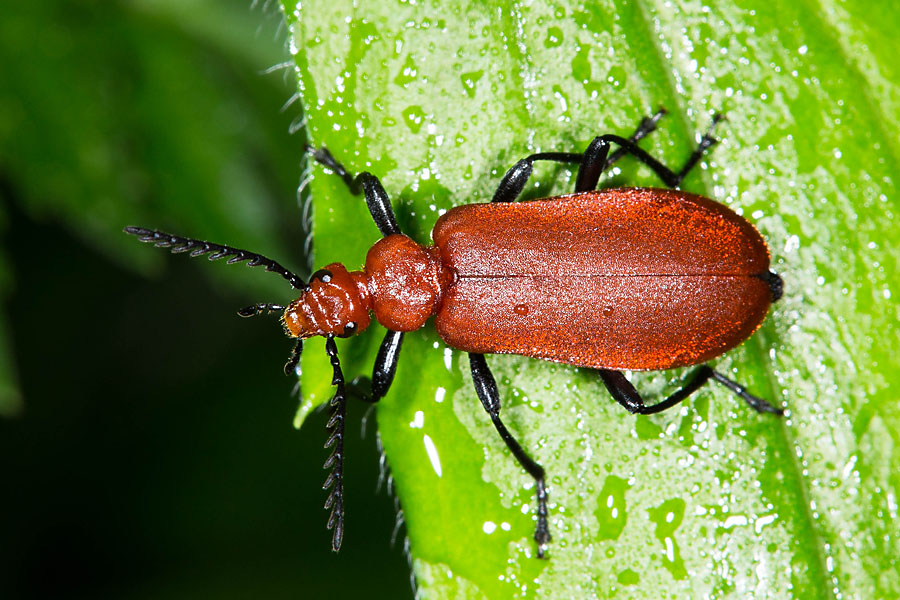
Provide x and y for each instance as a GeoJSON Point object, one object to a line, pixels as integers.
{"type": "Point", "coordinates": [146, 441]}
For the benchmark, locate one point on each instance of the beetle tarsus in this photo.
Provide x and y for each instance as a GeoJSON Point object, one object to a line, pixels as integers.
{"type": "Point", "coordinates": [486, 388]}
{"type": "Point", "coordinates": [706, 142]}
{"type": "Point", "coordinates": [290, 367]}
{"type": "Point", "coordinates": [542, 531]}
{"type": "Point", "coordinates": [645, 127]}
{"type": "Point", "coordinates": [324, 157]}
{"type": "Point", "coordinates": [757, 404]}
{"type": "Point", "coordinates": [669, 177]}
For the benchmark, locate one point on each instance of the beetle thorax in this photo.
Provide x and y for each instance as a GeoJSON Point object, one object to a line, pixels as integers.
{"type": "Point", "coordinates": [406, 282]}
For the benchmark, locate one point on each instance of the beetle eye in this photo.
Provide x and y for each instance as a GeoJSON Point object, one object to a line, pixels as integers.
{"type": "Point", "coordinates": [323, 275]}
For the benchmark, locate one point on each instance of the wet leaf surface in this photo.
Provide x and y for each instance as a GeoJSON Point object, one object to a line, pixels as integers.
{"type": "Point", "coordinates": [706, 500]}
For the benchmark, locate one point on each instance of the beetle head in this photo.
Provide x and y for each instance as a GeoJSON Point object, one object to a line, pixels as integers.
{"type": "Point", "coordinates": [336, 302]}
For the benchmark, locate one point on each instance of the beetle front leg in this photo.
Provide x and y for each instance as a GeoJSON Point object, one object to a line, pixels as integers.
{"type": "Point", "coordinates": [625, 393]}
{"type": "Point", "coordinates": [486, 388]}
{"type": "Point", "coordinates": [376, 198]}
{"type": "Point", "coordinates": [385, 364]}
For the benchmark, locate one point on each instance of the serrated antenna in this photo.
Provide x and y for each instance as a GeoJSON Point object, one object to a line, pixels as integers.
{"type": "Point", "coordinates": [335, 461]}
{"type": "Point", "coordinates": [177, 244]}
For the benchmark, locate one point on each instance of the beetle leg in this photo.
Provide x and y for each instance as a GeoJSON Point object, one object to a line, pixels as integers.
{"type": "Point", "coordinates": [597, 158]}
{"type": "Point", "coordinates": [376, 198]}
{"type": "Point", "coordinates": [669, 177]}
{"type": "Point", "coordinates": [486, 388]}
{"type": "Point", "coordinates": [625, 393]}
{"type": "Point", "coordinates": [706, 142]}
{"type": "Point", "coordinates": [757, 404]}
{"type": "Point", "coordinates": [515, 179]}
{"type": "Point", "coordinates": [593, 162]}
{"type": "Point", "coordinates": [290, 367]}
{"type": "Point", "coordinates": [335, 461]}
{"type": "Point", "coordinates": [644, 128]}
{"type": "Point", "coordinates": [386, 364]}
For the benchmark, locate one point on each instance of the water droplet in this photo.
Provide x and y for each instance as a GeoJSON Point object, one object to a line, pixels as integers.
{"type": "Point", "coordinates": [667, 517]}
{"type": "Point", "coordinates": [469, 81]}
{"type": "Point", "coordinates": [611, 514]}
{"type": "Point", "coordinates": [414, 117]}
{"type": "Point", "coordinates": [554, 37]}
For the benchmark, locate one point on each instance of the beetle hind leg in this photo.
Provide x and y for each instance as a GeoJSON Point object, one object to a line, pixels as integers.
{"type": "Point", "coordinates": [624, 392]}
{"type": "Point", "coordinates": [645, 127]}
{"type": "Point", "coordinates": [596, 161]}
{"type": "Point", "coordinates": [486, 388]}
{"type": "Point", "coordinates": [706, 142]}
{"type": "Point", "coordinates": [592, 163]}
{"type": "Point", "coordinates": [597, 157]}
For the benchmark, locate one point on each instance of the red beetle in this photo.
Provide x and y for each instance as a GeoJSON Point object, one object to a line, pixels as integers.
{"type": "Point", "coordinates": [629, 278]}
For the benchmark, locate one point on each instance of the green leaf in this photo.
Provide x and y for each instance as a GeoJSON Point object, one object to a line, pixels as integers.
{"type": "Point", "coordinates": [708, 500]}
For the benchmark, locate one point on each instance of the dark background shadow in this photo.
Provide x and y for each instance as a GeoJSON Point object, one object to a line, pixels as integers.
{"type": "Point", "coordinates": [153, 452]}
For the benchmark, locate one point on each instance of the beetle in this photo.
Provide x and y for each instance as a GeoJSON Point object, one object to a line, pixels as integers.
{"type": "Point", "coordinates": [617, 279]}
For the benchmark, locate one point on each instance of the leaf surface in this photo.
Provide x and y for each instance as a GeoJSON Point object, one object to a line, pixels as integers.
{"type": "Point", "coordinates": [708, 499]}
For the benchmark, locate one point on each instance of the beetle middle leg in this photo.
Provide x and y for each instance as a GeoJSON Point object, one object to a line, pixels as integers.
{"type": "Point", "coordinates": [517, 177]}
{"type": "Point", "coordinates": [624, 392]}
{"type": "Point", "coordinates": [486, 388]}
